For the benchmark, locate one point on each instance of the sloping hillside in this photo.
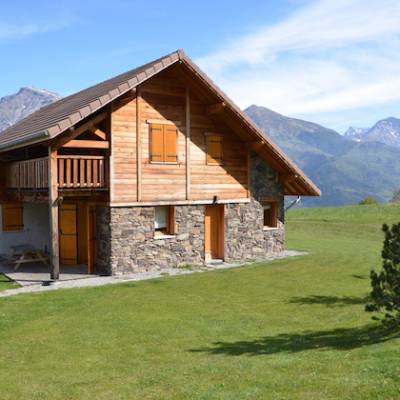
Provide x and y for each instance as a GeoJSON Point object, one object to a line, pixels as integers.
{"type": "Point", "coordinates": [345, 170]}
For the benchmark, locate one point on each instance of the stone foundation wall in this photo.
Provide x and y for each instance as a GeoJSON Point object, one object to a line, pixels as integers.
{"type": "Point", "coordinates": [132, 247]}
{"type": "Point", "coordinates": [126, 242]}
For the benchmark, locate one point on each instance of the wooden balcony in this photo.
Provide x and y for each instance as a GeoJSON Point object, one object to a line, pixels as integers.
{"type": "Point", "coordinates": [74, 172]}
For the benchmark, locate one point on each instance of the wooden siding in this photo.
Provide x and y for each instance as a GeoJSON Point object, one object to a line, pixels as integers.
{"type": "Point", "coordinates": [164, 99]}
{"type": "Point", "coordinates": [123, 152]}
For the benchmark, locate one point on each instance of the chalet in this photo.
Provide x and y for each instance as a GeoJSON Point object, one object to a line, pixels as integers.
{"type": "Point", "coordinates": [151, 169]}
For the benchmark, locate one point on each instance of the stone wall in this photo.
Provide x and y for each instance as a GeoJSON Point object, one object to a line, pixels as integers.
{"type": "Point", "coordinates": [126, 242]}
{"type": "Point", "coordinates": [132, 247]}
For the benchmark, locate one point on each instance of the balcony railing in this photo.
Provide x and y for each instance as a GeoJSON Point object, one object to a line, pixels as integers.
{"type": "Point", "coordinates": [74, 172]}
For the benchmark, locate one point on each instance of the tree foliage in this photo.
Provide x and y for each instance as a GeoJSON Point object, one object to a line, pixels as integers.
{"type": "Point", "coordinates": [368, 200]}
{"type": "Point", "coordinates": [396, 197]}
{"type": "Point", "coordinates": [385, 294]}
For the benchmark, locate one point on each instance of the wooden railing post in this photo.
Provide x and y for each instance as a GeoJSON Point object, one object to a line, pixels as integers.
{"type": "Point", "coordinates": [53, 215]}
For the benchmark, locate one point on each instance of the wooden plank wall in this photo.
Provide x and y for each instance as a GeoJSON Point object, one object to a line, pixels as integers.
{"type": "Point", "coordinates": [163, 98]}
{"type": "Point", "coordinates": [123, 152]}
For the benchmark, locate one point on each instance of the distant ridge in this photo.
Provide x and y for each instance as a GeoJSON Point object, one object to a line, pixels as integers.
{"type": "Point", "coordinates": [346, 171]}
{"type": "Point", "coordinates": [19, 105]}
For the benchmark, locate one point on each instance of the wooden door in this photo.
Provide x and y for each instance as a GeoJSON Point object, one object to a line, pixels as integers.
{"type": "Point", "coordinates": [91, 232]}
{"type": "Point", "coordinates": [68, 234]}
{"type": "Point", "coordinates": [214, 232]}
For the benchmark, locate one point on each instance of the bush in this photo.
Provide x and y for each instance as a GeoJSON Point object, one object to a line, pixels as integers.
{"type": "Point", "coordinates": [368, 200]}
{"type": "Point", "coordinates": [385, 295]}
{"type": "Point", "coordinates": [396, 197]}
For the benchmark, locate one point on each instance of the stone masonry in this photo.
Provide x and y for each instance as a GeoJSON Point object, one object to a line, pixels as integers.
{"type": "Point", "coordinates": [126, 242]}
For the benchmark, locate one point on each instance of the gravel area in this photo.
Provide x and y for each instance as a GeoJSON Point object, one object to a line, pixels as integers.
{"type": "Point", "coordinates": [140, 276]}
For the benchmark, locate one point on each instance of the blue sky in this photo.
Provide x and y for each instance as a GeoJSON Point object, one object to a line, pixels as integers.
{"type": "Point", "coordinates": [335, 62]}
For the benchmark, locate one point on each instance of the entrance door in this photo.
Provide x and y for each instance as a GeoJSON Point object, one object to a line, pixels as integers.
{"type": "Point", "coordinates": [68, 234]}
{"type": "Point", "coordinates": [214, 232]}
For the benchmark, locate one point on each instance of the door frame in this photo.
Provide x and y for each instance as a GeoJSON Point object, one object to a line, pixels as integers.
{"type": "Point", "coordinates": [85, 232]}
{"type": "Point", "coordinates": [218, 218]}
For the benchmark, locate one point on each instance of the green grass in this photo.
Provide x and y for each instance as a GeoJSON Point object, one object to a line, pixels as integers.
{"type": "Point", "coordinates": [291, 329]}
{"type": "Point", "coordinates": [6, 283]}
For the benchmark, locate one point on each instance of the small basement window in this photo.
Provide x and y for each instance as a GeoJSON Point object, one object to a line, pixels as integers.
{"type": "Point", "coordinates": [164, 220]}
{"type": "Point", "coordinates": [13, 218]}
{"type": "Point", "coordinates": [270, 214]}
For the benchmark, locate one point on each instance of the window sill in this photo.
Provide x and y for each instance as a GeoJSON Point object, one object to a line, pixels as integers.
{"type": "Point", "coordinates": [162, 162]}
{"type": "Point", "coordinates": [270, 228]}
{"type": "Point", "coordinates": [159, 237]}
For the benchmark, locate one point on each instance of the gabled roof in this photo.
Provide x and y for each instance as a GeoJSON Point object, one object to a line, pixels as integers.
{"type": "Point", "coordinates": [54, 119]}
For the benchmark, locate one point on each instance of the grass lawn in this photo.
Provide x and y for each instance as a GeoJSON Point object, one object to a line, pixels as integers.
{"type": "Point", "coordinates": [5, 283]}
{"type": "Point", "coordinates": [291, 329]}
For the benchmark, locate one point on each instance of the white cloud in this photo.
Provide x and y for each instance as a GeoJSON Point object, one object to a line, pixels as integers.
{"type": "Point", "coordinates": [20, 30]}
{"type": "Point", "coordinates": [329, 56]}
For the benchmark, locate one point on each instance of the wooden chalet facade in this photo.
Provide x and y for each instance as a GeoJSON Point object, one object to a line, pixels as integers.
{"type": "Point", "coordinates": [150, 169]}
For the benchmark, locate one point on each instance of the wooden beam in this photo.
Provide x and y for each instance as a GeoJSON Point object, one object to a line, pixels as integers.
{"type": "Point", "coordinates": [187, 143]}
{"type": "Point", "coordinates": [53, 216]}
{"type": "Point", "coordinates": [75, 132]}
{"type": "Point", "coordinates": [98, 132]}
{"type": "Point", "coordinates": [215, 108]}
{"type": "Point", "coordinates": [138, 145]}
{"type": "Point", "coordinates": [87, 144]}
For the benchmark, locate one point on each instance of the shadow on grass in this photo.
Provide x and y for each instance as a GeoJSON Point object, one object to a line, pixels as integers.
{"type": "Point", "coordinates": [337, 339]}
{"type": "Point", "coordinates": [330, 301]}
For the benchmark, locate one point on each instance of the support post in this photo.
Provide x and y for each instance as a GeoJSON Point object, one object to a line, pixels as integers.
{"type": "Point", "coordinates": [53, 216]}
{"type": "Point", "coordinates": [187, 144]}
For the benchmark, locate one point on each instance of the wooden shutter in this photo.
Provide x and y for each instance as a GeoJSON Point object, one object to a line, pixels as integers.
{"type": "Point", "coordinates": [12, 217]}
{"type": "Point", "coordinates": [163, 143]}
{"type": "Point", "coordinates": [214, 149]}
{"type": "Point", "coordinates": [170, 153]}
{"type": "Point", "coordinates": [156, 143]}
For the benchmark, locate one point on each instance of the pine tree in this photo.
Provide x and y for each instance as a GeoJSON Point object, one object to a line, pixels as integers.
{"type": "Point", "coordinates": [385, 294]}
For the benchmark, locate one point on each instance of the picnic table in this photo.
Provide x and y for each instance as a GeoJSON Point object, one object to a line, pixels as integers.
{"type": "Point", "coordinates": [23, 254]}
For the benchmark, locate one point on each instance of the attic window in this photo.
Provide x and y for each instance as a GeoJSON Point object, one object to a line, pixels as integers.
{"type": "Point", "coordinates": [214, 149]}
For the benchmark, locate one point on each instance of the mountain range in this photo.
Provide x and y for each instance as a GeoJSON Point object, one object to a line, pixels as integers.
{"type": "Point", "coordinates": [385, 131]}
{"type": "Point", "coordinates": [19, 105]}
{"type": "Point", "coordinates": [347, 168]}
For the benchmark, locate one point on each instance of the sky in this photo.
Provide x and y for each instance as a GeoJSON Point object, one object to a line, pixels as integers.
{"type": "Point", "coordinates": [334, 62]}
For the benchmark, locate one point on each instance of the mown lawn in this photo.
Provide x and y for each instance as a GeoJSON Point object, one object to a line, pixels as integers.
{"type": "Point", "coordinates": [6, 283]}
{"type": "Point", "coordinates": [291, 329]}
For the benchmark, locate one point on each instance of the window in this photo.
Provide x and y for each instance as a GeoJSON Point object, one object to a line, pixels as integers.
{"type": "Point", "coordinates": [163, 147]}
{"type": "Point", "coordinates": [270, 214]}
{"type": "Point", "coordinates": [12, 217]}
{"type": "Point", "coordinates": [164, 220]}
{"type": "Point", "coordinates": [214, 149]}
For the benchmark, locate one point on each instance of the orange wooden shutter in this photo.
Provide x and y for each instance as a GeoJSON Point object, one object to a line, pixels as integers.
{"type": "Point", "coordinates": [214, 149]}
{"type": "Point", "coordinates": [170, 135]}
{"type": "Point", "coordinates": [13, 217]}
{"type": "Point", "coordinates": [156, 143]}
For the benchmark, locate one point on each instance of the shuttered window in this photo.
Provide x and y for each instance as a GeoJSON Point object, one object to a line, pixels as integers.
{"type": "Point", "coordinates": [12, 217]}
{"type": "Point", "coordinates": [214, 149]}
{"type": "Point", "coordinates": [163, 143]}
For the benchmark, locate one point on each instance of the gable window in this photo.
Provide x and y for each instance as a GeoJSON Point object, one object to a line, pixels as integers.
{"type": "Point", "coordinates": [270, 214]}
{"type": "Point", "coordinates": [12, 214]}
{"type": "Point", "coordinates": [214, 149]}
{"type": "Point", "coordinates": [164, 220]}
{"type": "Point", "coordinates": [163, 143]}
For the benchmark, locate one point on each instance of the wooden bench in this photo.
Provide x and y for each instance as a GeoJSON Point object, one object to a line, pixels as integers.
{"type": "Point", "coordinates": [23, 254]}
